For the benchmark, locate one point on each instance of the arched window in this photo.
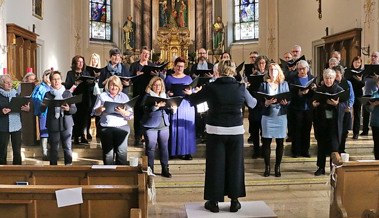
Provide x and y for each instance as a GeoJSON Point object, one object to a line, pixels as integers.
{"type": "Point", "coordinates": [100, 20]}
{"type": "Point", "coordinates": [246, 20]}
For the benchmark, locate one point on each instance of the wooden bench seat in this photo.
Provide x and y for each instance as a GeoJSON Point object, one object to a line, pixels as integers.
{"type": "Point", "coordinates": [120, 192]}
{"type": "Point", "coordinates": [356, 190]}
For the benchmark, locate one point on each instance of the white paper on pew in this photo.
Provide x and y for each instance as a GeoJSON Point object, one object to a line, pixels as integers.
{"type": "Point", "coordinates": [363, 161]}
{"type": "Point", "coordinates": [112, 167]}
{"type": "Point", "coordinates": [69, 196]}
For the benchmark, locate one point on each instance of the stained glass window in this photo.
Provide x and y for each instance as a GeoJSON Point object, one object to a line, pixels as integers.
{"type": "Point", "coordinates": [100, 20]}
{"type": "Point", "coordinates": [246, 20]}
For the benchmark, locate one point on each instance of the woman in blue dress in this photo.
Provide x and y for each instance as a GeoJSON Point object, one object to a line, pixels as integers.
{"type": "Point", "coordinates": [274, 117]}
{"type": "Point", "coordinates": [182, 141]}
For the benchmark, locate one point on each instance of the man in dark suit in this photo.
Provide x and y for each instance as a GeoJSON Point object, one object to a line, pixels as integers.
{"type": "Point", "coordinates": [202, 64]}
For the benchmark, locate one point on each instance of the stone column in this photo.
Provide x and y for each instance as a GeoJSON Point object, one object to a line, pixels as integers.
{"type": "Point", "coordinates": [199, 24]}
{"type": "Point", "coordinates": [208, 25]}
{"type": "Point", "coordinates": [138, 20]}
{"type": "Point", "coordinates": [147, 25]}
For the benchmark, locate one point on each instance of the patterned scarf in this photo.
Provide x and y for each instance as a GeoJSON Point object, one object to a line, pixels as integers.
{"type": "Point", "coordinates": [58, 94]}
{"type": "Point", "coordinates": [114, 71]}
{"type": "Point", "coordinates": [14, 118]}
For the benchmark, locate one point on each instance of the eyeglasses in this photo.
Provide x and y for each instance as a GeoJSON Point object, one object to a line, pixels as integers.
{"type": "Point", "coordinates": [252, 57]}
{"type": "Point", "coordinates": [374, 56]}
{"type": "Point", "coordinates": [295, 51]}
{"type": "Point", "coordinates": [301, 68]}
{"type": "Point", "coordinates": [202, 53]}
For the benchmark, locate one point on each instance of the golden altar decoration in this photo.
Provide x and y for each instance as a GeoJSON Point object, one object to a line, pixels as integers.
{"type": "Point", "coordinates": [173, 42]}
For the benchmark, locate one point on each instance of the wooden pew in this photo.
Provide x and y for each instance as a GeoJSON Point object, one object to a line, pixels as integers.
{"type": "Point", "coordinates": [356, 190]}
{"type": "Point", "coordinates": [120, 192]}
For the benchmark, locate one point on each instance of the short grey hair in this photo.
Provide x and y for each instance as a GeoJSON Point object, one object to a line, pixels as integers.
{"type": "Point", "coordinates": [329, 73]}
{"type": "Point", "coordinates": [2, 79]}
{"type": "Point", "coordinates": [303, 63]}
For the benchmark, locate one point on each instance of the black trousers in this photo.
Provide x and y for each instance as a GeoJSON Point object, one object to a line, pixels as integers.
{"type": "Point", "coordinates": [138, 114]}
{"type": "Point", "coordinates": [114, 141]}
{"type": "Point", "coordinates": [301, 136]}
{"type": "Point", "coordinates": [357, 109]}
{"type": "Point", "coordinates": [224, 172]}
{"type": "Point", "coordinates": [375, 136]}
{"type": "Point", "coordinates": [63, 138]}
{"type": "Point", "coordinates": [366, 119]}
{"type": "Point", "coordinates": [327, 142]}
{"type": "Point", "coordinates": [346, 126]}
{"type": "Point", "coordinates": [16, 147]}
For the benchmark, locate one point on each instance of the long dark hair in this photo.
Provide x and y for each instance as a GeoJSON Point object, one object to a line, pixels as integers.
{"type": "Point", "coordinates": [75, 60]}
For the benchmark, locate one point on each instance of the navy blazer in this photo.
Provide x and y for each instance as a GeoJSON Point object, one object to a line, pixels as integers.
{"type": "Point", "coordinates": [62, 123]}
{"type": "Point", "coordinates": [153, 118]}
{"type": "Point", "coordinates": [283, 87]}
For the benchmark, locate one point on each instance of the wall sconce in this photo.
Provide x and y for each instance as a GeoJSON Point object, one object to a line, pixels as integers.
{"type": "Point", "coordinates": [366, 50]}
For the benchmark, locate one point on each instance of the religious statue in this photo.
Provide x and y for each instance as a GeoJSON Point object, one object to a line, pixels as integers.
{"type": "Point", "coordinates": [129, 31]}
{"type": "Point", "coordinates": [173, 23]}
{"type": "Point", "coordinates": [218, 34]}
{"type": "Point", "coordinates": [163, 14]}
{"type": "Point", "coordinates": [183, 14]}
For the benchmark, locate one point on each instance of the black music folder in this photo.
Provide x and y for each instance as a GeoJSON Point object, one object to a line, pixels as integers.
{"type": "Point", "coordinates": [323, 96]}
{"type": "Point", "coordinates": [93, 70]}
{"type": "Point", "coordinates": [110, 106]}
{"type": "Point", "coordinates": [281, 96]}
{"type": "Point", "coordinates": [178, 89]}
{"type": "Point", "coordinates": [239, 67]}
{"type": "Point", "coordinates": [249, 68]}
{"type": "Point", "coordinates": [17, 102]}
{"type": "Point", "coordinates": [371, 70]}
{"type": "Point", "coordinates": [59, 102]}
{"type": "Point", "coordinates": [147, 69]}
{"type": "Point", "coordinates": [203, 73]}
{"type": "Point", "coordinates": [306, 86]}
{"type": "Point", "coordinates": [86, 78]}
{"type": "Point", "coordinates": [255, 81]}
{"type": "Point", "coordinates": [294, 62]}
{"type": "Point", "coordinates": [128, 77]}
{"type": "Point", "coordinates": [173, 101]}
{"type": "Point", "coordinates": [366, 99]}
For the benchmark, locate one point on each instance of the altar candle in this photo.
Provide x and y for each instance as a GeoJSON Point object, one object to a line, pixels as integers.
{"type": "Point", "coordinates": [29, 70]}
{"type": "Point", "coordinates": [4, 70]}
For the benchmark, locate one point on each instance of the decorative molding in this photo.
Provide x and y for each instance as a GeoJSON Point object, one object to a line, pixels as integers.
{"type": "Point", "coordinates": [368, 10]}
{"type": "Point", "coordinates": [77, 38]}
{"type": "Point", "coordinates": [271, 41]}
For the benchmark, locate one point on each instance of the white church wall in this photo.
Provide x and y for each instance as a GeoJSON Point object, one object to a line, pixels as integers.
{"type": "Point", "coordinates": [299, 23]}
{"type": "Point", "coordinates": [54, 30]}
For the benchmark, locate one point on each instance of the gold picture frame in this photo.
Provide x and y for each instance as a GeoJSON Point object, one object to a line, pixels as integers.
{"type": "Point", "coordinates": [37, 7]}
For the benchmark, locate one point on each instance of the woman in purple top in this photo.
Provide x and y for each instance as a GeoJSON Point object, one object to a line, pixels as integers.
{"type": "Point", "coordinates": [182, 141]}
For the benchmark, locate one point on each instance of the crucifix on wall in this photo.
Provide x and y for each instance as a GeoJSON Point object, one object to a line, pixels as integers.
{"type": "Point", "coordinates": [319, 10]}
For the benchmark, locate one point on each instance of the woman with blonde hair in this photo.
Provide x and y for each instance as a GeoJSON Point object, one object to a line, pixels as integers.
{"type": "Point", "coordinates": [224, 173]}
{"type": "Point", "coordinates": [274, 117]}
{"type": "Point", "coordinates": [155, 123]}
{"type": "Point", "coordinates": [114, 128]}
